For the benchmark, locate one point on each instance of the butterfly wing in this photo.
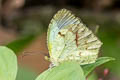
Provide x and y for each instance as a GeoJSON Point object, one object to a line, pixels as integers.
{"type": "Point", "coordinates": [61, 19]}
{"type": "Point", "coordinates": [70, 39]}
{"type": "Point", "coordinates": [80, 44]}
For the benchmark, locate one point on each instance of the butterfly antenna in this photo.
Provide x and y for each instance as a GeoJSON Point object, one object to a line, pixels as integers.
{"type": "Point", "coordinates": [26, 53]}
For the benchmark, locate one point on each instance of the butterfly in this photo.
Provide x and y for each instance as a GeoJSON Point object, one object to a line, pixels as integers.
{"type": "Point", "coordinates": [69, 39]}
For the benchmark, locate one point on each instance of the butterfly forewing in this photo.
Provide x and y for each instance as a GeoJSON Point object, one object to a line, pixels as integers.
{"type": "Point", "coordinates": [61, 19]}
{"type": "Point", "coordinates": [70, 39]}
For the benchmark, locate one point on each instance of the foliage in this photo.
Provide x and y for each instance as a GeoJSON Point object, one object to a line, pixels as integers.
{"type": "Point", "coordinates": [19, 44]}
{"type": "Point", "coordinates": [69, 70]}
{"type": "Point", "coordinates": [90, 67]}
{"type": "Point", "coordinates": [24, 73]}
{"type": "Point", "coordinates": [65, 71]}
{"type": "Point", "coordinates": [8, 64]}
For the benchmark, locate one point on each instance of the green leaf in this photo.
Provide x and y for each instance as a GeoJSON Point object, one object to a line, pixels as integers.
{"type": "Point", "coordinates": [8, 64]}
{"type": "Point", "coordinates": [65, 71]}
{"type": "Point", "coordinates": [20, 44]}
{"type": "Point", "coordinates": [25, 73]}
{"type": "Point", "coordinates": [43, 75]}
{"type": "Point", "coordinates": [89, 67]}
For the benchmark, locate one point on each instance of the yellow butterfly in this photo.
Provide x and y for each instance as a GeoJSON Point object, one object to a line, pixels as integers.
{"type": "Point", "coordinates": [69, 39]}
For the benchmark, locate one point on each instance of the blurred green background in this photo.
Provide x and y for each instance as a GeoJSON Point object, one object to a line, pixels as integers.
{"type": "Point", "coordinates": [23, 27]}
